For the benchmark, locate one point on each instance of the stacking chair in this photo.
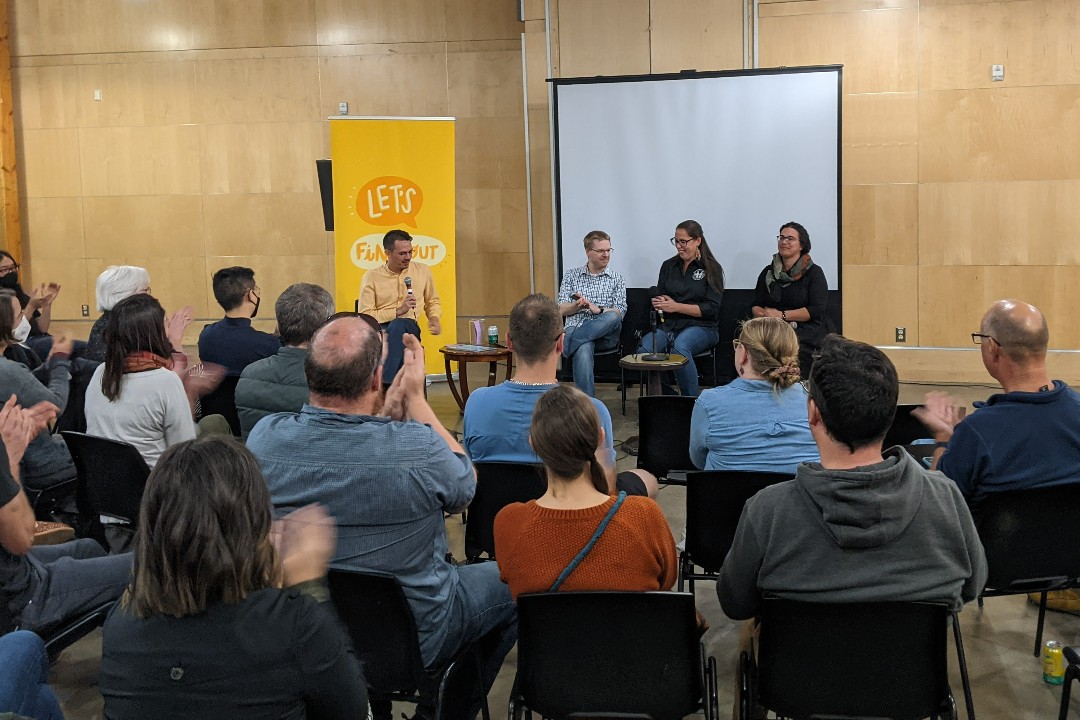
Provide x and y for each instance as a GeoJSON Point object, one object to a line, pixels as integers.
{"type": "Point", "coordinates": [65, 635]}
{"type": "Point", "coordinates": [497, 485]}
{"type": "Point", "coordinates": [714, 504]}
{"type": "Point", "coordinates": [382, 628]}
{"type": "Point", "coordinates": [611, 654]}
{"type": "Point", "coordinates": [664, 430]}
{"type": "Point", "coordinates": [1072, 672]}
{"type": "Point", "coordinates": [905, 428]}
{"type": "Point", "coordinates": [854, 660]}
{"type": "Point", "coordinates": [112, 476]}
{"type": "Point", "coordinates": [1032, 543]}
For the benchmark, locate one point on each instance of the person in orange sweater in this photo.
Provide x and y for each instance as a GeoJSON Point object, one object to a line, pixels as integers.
{"type": "Point", "coordinates": [537, 541]}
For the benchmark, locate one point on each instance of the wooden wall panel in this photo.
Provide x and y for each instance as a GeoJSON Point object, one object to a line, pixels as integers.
{"type": "Point", "coordinates": [1003, 134]}
{"type": "Point", "coordinates": [136, 93]}
{"type": "Point", "coordinates": [696, 34]}
{"type": "Point", "coordinates": [70, 273]}
{"type": "Point", "coordinates": [492, 221]}
{"type": "Point", "coordinates": [252, 23]}
{"type": "Point", "coordinates": [876, 47]}
{"type": "Point", "coordinates": [47, 96]}
{"type": "Point", "coordinates": [604, 37]}
{"type": "Point", "coordinates": [281, 224]}
{"type": "Point", "coordinates": [486, 83]}
{"type": "Point", "coordinates": [371, 82]}
{"type": "Point", "coordinates": [488, 153]}
{"type": "Point", "coordinates": [64, 27]}
{"type": "Point", "coordinates": [880, 138]}
{"type": "Point", "coordinates": [58, 227]}
{"type": "Point", "coordinates": [482, 20]}
{"type": "Point", "coordinates": [140, 160]}
{"type": "Point", "coordinates": [998, 223]}
{"type": "Point", "coordinates": [499, 274]}
{"type": "Point", "coordinates": [50, 163]}
{"type": "Point", "coordinates": [345, 22]}
{"type": "Point", "coordinates": [235, 91]}
{"type": "Point", "coordinates": [879, 299]}
{"type": "Point", "coordinates": [175, 281]}
{"type": "Point", "coordinates": [137, 225]}
{"type": "Point", "coordinates": [881, 225]}
{"type": "Point", "coordinates": [261, 157]}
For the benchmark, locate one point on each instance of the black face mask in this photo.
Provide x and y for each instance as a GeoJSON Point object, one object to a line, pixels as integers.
{"type": "Point", "coordinates": [10, 281]}
{"type": "Point", "coordinates": [256, 310]}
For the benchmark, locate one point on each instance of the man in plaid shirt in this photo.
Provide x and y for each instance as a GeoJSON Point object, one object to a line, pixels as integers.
{"type": "Point", "coordinates": [592, 300]}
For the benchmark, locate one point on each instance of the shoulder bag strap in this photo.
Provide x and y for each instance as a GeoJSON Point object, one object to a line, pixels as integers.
{"type": "Point", "coordinates": [589, 545]}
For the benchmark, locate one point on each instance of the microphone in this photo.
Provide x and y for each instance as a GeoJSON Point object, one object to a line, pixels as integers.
{"type": "Point", "coordinates": [408, 284]}
{"type": "Point", "coordinates": [655, 292]}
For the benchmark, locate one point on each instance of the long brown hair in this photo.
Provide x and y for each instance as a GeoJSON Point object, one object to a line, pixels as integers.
{"type": "Point", "coordinates": [564, 433]}
{"type": "Point", "coordinates": [773, 350]}
{"type": "Point", "coordinates": [136, 323]}
{"type": "Point", "coordinates": [204, 530]}
{"type": "Point", "coordinates": [714, 271]}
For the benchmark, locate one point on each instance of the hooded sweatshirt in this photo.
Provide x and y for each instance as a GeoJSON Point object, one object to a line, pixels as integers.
{"type": "Point", "coordinates": [888, 531]}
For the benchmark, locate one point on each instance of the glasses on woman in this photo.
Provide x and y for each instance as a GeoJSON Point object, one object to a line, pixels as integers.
{"type": "Point", "coordinates": [786, 239]}
{"type": "Point", "coordinates": [8, 269]}
{"type": "Point", "coordinates": [678, 242]}
{"type": "Point", "coordinates": [735, 343]}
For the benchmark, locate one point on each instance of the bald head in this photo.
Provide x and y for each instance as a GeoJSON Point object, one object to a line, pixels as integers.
{"type": "Point", "coordinates": [342, 359]}
{"type": "Point", "coordinates": [1019, 328]}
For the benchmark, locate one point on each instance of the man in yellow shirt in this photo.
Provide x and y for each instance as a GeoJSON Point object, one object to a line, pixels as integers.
{"type": "Point", "coordinates": [396, 294]}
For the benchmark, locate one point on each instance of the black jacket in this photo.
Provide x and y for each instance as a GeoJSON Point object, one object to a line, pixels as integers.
{"type": "Point", "coordinates": [692, 288]}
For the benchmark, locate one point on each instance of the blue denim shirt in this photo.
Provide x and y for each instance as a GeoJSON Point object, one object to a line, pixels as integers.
{"type": "Point", "coordinates": [744, 425]}
{"type": "Point", "coordinates": [386, 484]}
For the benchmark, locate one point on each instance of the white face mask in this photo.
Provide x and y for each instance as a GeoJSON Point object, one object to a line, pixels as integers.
{"type": "Point", "coordinates": [22, 330]}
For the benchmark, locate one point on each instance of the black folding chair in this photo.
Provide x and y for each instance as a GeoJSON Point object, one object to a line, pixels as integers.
{"type": "Point", "coordinates": [1032, 543]}
{"type": "Point", "coordinates": [382, 628]}
{"type": "Point", "coordinates": [1072, 672]}
{"type": "Point", "coordinates": [222, 401]}
{"type": "Point", "coordinates": [854, 660]}
{"type": "Point", "coordinates": [664, 430]}
{"type": "Point", "coordinates": [611, 654]}
{"type": "Point", "coordinates": [714, 504]}
{"type": "Point", "coordinates": [497, 485]}
{"type": "Point", "coordinates": [905, 428]}
{"type": "Point", "coordinates": [67, 633]}
{"type": "Point", "coordinates": [112, 476]}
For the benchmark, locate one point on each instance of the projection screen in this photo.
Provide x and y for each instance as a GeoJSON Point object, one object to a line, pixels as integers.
{"type": "Point", "coordinates": [740, 152]}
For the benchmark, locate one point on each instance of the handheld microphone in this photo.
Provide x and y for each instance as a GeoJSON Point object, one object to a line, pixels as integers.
{"type": "Point", "coordinates": [655, 292]}
{"type": "Point", "coordinates": [408, 284]}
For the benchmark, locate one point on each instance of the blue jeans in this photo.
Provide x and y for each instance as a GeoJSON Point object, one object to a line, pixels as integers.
{"type": "Point", "coordinates": [599, 333]}
{"type": "Point", "coordinates": [483, 612]}
{"type": "Point", "coordinates": [24, 686]}
{"type": "Point", "coordinates": [395, 346]}
{"type": "Point", "coordinates": [688, 342]}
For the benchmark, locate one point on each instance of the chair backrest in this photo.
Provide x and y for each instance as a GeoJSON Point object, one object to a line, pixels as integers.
{"type": "Point", "coordinates": [74, 415]}
{"type": "Point", "coordinates": [222, 401]}
{"type": "Point", "coordinates": [112, 475]}
{"type": "Point", "coordinates": [905, 428]}
{"type": "Point", "coordinates": [664, 431]}
{"type": "Point", "coordinates": [714, 504]}
{"type": "Point", "coordinates": [1030, 535]}
{"type": "Point", "coordinates": [381, 626]}
{"type": "Point", "coordinates": [865, 660]}
{"type": "Point", "coordinates": [636, 320]}
{"type": "Point", "coordinates": [498, 485]}
{"type": "Point", "coordinates": [609, 653]}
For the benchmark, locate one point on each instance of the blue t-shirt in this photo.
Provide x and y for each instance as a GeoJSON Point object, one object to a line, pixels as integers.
{"type": "Point", "coordinates": [744, 425]}
{"type": "Point", "coordinates": [1016, 441]}
{"type": "Point", "coordinates": [497, 421]}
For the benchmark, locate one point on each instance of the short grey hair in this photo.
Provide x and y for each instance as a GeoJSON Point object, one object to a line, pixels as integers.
{"type": "Point", "coordinates": [301, 310]}
{"type": "Point", "coordinates": [118, 282]}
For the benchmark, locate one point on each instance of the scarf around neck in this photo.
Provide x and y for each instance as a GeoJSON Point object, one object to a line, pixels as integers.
{"type": "Point", "coordinates": [143, 360]}
{"type": "Point", "coordinates": [776, 277]}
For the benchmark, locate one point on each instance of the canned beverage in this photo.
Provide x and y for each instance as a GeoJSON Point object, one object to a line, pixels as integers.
{"type": "Point", "coordinates": [1053, 663]}
{"type": "Point", "coordinates": [493, 335]}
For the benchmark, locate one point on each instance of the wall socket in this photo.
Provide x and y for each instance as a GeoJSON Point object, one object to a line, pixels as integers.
{"type": "Point", "coordinates": [86, 311]}
{"type": "Point", "coordinates": [901, 334]}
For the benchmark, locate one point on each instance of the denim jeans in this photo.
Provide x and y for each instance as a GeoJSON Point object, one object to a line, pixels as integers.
{"type": "Point", "coordinates": [395, 346]}
{"type": "Point", "coordinates": [687, 342]}
{"type": "Point", "coordinates": [24, 686]}
{"type": "Point", "coordinates": [599, 333]}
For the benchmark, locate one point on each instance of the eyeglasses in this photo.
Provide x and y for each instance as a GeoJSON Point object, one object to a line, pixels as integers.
{"type": "Point", "coordinates": [978, 338]}
{"type": "Point", "coordinates": [600, 252]}
{"type": "Point", "coordinates": [9, 269]}
{"type": "Point", "coordinates": [786, 239]}
{"type": "Point", "coordinates": [372, 322]}
{"type": "Point", "coordinates": [680, 243]}
{"type": "Point", "coordinates": [735, 343]}
{"type": "Point", "coordinates": [805, 385]}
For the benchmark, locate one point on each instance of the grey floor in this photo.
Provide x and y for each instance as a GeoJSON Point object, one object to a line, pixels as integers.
{"type": "Point", "coordinates": [1006, 679]}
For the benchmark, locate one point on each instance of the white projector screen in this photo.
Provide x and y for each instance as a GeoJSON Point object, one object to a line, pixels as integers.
{"type": "Point", "coordinates": [740, 152]}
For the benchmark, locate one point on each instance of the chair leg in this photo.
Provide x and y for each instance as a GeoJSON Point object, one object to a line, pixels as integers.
{"type": "Point", "coordinates": [682, 572]}
{"type": "Point", "coordinates": [1070, 675]}
{"type": "Point", "coordinates": [1039, 627]}
{"type": "Point", "coordinates": [961, 659]}
{"type": "Point", "coordinates": [622, 375]}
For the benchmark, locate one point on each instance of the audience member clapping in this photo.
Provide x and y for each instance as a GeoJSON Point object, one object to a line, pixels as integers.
{"type": "Point", "coordinates": [205, 629]}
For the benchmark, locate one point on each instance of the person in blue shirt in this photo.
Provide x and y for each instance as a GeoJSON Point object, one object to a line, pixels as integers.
{"type": "Point", "coordinates": [758, 422]}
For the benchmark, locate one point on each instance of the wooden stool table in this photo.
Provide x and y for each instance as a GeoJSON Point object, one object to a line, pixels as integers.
{"type": "Point", "coordinates": [491, 355]}
{"type": "Point", "coordinates": [651, 369]}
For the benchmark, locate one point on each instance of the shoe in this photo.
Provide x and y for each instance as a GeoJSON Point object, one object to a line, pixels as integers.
{"type": "Point", "coordinates": [1066, 601]}
{"type": "Point", "coordinates": [630, 445]}
{"type": "Point", "coordinates": [52, 533]}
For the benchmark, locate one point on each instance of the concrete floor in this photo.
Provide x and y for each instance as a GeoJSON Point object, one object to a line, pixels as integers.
{"type": "Point", "coordinates": [1006, 679]}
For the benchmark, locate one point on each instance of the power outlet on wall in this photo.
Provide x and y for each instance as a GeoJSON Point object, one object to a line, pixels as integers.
{"type": "Point", "coordinates": [86, 311]}
{"type": "Point", "coordinates": [901, 334]}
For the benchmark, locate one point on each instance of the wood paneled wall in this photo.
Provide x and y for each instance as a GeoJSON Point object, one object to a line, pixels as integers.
{"type": "Point", "coordinates": [200, 153]}
{"type": "Point", "coordinates": [956, 190]}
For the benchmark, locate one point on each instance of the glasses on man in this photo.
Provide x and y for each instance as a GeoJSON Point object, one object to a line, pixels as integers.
{"type": "Point", "coordinates": [372, 322]}
{"type": "Point", "coordinates": [8, 269]}
{"type": "Point", "coordinates": [786, 239]}
{"type": "Point", "coordinates": [679, 242]}
{"type": "Point", "coordinates": [600, 252]}
{"type": "Point", "coordinates": [978, 338]}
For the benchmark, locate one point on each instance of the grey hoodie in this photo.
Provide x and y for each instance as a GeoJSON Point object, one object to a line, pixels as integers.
{"type": "Point", "coordinates": [889, 531]}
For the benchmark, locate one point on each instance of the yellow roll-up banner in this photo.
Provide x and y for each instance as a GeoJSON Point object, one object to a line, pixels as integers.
{"type": "Point", "coordinates": [396, 173]}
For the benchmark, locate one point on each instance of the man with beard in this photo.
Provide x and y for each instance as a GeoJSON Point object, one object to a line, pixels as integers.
{"type": "Point", "coordinates": [387, 479]}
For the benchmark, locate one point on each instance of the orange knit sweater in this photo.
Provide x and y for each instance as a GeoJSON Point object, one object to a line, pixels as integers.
{"type": "Point", "coordinates": [534, 544]}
